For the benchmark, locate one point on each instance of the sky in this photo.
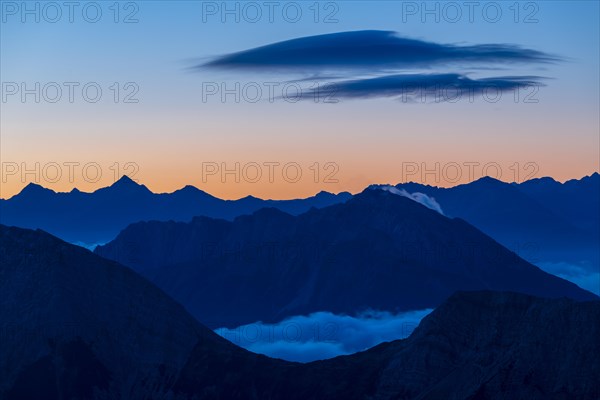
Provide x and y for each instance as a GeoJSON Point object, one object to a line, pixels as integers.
{"type": "Point", "coordinates": [179, 107]}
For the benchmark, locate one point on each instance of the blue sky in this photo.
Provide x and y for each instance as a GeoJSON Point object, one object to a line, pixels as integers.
{"type": "Point", "coordinates": [171, 130]}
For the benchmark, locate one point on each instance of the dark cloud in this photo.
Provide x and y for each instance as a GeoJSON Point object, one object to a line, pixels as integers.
{"type": "Point", "coordinates": [368, 50]}
{"type": "Point", "coordinates": [427, 87]}
{"type": "Point", "coordinates": [369, 64]}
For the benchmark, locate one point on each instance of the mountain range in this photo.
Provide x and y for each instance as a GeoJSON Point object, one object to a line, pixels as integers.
{"type": "Point", "coordinates": [541, 219]}
{"type": "Point", "coordinates": [77, 326]}
{"type": "Point", "coordinates": [475, 346]}
{"type": "Point", "coordinates": [377, 251]}
{"type": "Point", "coordinates": [98, 217]}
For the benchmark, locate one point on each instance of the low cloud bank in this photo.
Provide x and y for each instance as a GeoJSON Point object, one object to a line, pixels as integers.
{"type": "Point", "coordinates": [581, 275]}
{"type": "Point", "coordinates": [323, 335]}
{"type": "Point", "coordinates": [89, 246]}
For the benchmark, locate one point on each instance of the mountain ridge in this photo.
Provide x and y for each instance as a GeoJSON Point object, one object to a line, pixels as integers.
{"type": "Point", "coordinates": [377, 251]}
{"type": "Point", "coordinates": [475, 346]}
{"type": "Point", "coordinates": [97, 217]}
{"type": "Point", "coordinates": [541, 219]}
{"type": "Point", "coordinates": [77, 326]}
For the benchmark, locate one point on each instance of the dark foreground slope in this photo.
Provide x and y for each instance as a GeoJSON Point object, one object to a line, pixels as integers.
{"type": "Point", "coordinates": [76, 326]}
{"type": "Point", "coordinates": [377, 251]}
{"type": "Point", "coordinates": [73, 325]}
{"type": "Point", "coordinates": [477, 345]}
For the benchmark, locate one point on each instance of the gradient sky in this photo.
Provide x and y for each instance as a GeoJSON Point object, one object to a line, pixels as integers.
{"type": "Point", "coordinates": [172, 131]}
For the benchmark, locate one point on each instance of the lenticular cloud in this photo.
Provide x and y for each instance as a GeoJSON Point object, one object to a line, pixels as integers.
{"type": "Point", "coordinates": [371, 50]}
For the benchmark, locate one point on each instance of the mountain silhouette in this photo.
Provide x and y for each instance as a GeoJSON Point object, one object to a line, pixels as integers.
{"type": "Point", "coordinates": [575, 200]}
{"type": "Point", "coordinates": [98, 217]}
{"type": "Point", "coordinates": [376, 251]}
{"type": "Point", "coordinates": [475, 346]}
{"type": "Point", "coordinates": [74, 324]}
{"type": "Point", "coordinates": [77, 326]}
{"type": "Point", "coordinates": [541, 219]}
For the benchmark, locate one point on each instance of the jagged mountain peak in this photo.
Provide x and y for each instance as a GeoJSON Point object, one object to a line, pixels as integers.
{"type": "Point", "coordinates": [33, 190]}
{"type": "Point", "coordinates": [126, 183]}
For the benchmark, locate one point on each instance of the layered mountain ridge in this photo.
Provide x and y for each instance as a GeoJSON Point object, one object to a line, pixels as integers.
{"type": "Point", "coordinates": [378, 251]}
{"type": "Point", "coordinates": [99, 216]}
{"type": "Point", "coordinates": [541, 219]}
{"type": "Point", "coordinates": [76, 326]}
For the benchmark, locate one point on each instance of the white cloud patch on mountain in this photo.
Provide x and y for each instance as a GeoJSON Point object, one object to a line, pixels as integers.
{"type": "Point", "coordinates": [420, 198]}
